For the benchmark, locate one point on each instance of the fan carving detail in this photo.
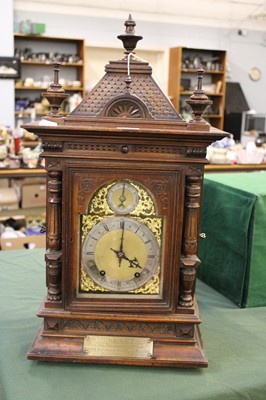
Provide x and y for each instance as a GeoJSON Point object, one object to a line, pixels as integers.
{"type": "Point", "coordinates": [125, 109]}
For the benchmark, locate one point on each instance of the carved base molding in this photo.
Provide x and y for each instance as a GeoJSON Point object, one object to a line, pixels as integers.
{"type": "Point", "coordinates": [176, 340]}
{"type": "Point", "coordinates": [68, 345]}
{"type": "Point", "coordinates": [79, 327]}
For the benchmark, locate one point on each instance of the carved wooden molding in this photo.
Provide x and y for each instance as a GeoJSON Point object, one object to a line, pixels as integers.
{"type": "Point", "coordinates": [53, 165]}
{"type": "Point", "coordinates": [196, 152]}
{"type": "Point", "coordinates": [85, 185]}
{"type": "Point", "coordinates": [172, 330]}
{"type": "Point", "coordinates": [91, 147]}
{"type": "Point", "coordinates": [52, 146]}
{"type": "Point", "coordinates": [195, 171]}
{"type": "Point", "coordinates": [160, 149]}
{"type": "Point", "coordinates": [161, 188]}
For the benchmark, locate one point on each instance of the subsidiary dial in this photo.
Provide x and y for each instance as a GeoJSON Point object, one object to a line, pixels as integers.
{"type": "Point", "coordinates": [122, 197]}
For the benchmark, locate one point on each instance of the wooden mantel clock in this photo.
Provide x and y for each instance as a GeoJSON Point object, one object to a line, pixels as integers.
{"type": "Point", "coordinates": [124, 179]}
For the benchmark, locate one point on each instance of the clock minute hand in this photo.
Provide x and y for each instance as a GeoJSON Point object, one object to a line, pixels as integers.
{"type": "Point", "coordinates": [119, 252]}
{"type": "Point", "coordinates": [122, 224]}
{"type": "Point", "coordinates": [122, 198]}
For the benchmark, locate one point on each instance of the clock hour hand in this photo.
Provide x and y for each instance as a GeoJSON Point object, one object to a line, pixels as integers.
{"type": "Point", "coordinates": [121, 256]}
{"type": "Point", "coordinates": [133, 263]}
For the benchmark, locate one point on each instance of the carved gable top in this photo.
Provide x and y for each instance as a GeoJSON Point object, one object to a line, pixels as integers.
{"type": "Point", "coordinates": [112, 98]}
{"type": "Point", "coordinates": [127, 91]}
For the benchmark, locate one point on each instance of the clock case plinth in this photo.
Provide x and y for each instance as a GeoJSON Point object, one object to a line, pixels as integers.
{"type": "Point", "coordinates": [126, 128]}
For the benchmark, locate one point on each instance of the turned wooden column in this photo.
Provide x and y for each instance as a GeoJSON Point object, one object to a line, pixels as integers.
{"type": "Point", "coordinates": [54, 235]}
{"type": "Point", "coordinates": [189, 259]}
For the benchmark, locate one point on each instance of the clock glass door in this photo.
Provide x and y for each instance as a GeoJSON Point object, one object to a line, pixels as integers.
{"type": "Point", "coordinates": [121, 239]}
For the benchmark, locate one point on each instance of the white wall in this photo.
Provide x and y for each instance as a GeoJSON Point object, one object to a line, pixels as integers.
{"type": "Point", "coordinates": [6, 50]}
{"type": "Point", "coordinates": [243, 53]}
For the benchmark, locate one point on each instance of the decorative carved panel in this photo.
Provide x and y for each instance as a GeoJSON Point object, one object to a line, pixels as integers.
{"type": "Point", "coordinates": [171, 330]}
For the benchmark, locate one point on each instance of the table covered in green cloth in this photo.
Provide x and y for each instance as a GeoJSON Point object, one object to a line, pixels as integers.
{"type": "Point", "coordinates": [233, 254]}
{"type": "Point", "coordinates": [234, 339]}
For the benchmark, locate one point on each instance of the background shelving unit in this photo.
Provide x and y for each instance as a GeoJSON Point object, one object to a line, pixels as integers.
{"type": "Point", "coordinates": [183, 63]}
{"type": "Point", "coordinates": [37, 65]}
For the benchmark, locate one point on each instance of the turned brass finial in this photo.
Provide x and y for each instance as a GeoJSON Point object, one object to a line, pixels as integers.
{"type": "Point", "coordinates": [55, 94]}
{"type": "Point", "coordinates": [198, 101]}
{"type": "Point", "coordinates": [129, 38]}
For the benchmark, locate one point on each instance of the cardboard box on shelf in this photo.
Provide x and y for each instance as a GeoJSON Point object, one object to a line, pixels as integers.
{"type": "Point", "coordinates": [18, 183]}
{"type": "Point", "coordinates": [4, 183]}
{"type": "Point", "coordinates": [18, 219]}
{"type": "Point", "coordinates": [8, 199]}
{"type": "Point", "coordinates": [23, 243]}
{"type": "Point", "coordinates": [33, 196]}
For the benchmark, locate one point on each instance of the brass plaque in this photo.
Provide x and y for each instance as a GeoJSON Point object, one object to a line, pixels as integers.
{"type": "Point", "coordinates": [117, 346]}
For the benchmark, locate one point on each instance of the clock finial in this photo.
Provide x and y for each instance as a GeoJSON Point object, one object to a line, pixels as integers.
{"type": "Point", "coordinates": [198, 101]}
{"type": "Point", "coordinates": [129, 38]}
{"type": "Point", "coordinates": [55, 94]}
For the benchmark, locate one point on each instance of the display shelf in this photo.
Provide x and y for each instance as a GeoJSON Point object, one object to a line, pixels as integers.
{"type": "Point", "coordinates": [65, 64]}
{"type": "Point", "coordinates": [40, 172]}
{"type": "Point", "coordinates": [22, 172]}
{"type": "Point", "coordinates": [182, 80]}
{"type": "Point", "coordinates": [67, 89]}
{"type": "Point", "coordinates": [234, 167]}
{"type": "Point", "coordinates": [21, 212]}
{"type": "Point", "coordinates": [33, 213]}
{"type": "Point", "coordinates": [37, 54]}
{"type": "Point", "coordinates": [189, 93]}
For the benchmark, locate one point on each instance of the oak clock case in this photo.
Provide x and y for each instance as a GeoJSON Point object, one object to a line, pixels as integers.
{"type": "Point", "coordinates": [124, 186]}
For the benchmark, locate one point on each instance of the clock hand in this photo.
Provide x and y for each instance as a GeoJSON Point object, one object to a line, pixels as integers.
{"type": "Point", "coordinates": [120, 253]}
{"type": "Point", "coordinates": [122, 224]}
{"type": "Point", "coordinates": [121, 256]}
{"type": "Point", "coordinates": [122, 198]}
{"type": "Point", "coordinates": [133, 263]}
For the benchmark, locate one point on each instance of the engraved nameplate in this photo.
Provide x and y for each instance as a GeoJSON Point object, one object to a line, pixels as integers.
{"type": "Point", "coordinates": [116, 346]}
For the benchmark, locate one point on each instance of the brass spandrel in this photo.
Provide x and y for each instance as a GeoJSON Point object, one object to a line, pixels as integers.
{"type": "Point", "coordinates": [117, 346]}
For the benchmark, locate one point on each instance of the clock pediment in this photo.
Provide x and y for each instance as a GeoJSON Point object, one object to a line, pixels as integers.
{"type": "Point", "coordinates": [128, 88]}
{"type": "Point", "coordinates": [112, 87]}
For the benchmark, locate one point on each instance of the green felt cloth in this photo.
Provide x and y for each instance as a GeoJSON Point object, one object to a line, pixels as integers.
{"type": "Point", "coordinates": [233, 254]}
{"type": "Point", "coordinates": [234, 340]}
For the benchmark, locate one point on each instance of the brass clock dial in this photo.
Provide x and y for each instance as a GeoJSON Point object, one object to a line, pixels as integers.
{"type": "Point", "coordinates": [120, 254]}
{"type": "Point", "coordinates": [122, 197]}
